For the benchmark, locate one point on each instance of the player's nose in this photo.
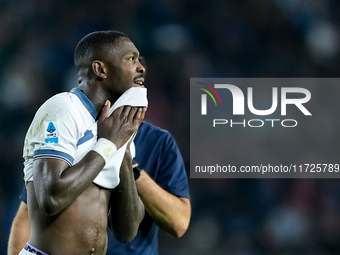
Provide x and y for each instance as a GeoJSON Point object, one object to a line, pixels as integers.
{"type": "Point", "coordinates": [140, 68]}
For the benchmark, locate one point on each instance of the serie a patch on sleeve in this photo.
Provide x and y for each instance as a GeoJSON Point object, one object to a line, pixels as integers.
{"type": "Point", "coordinates": [51, 132]}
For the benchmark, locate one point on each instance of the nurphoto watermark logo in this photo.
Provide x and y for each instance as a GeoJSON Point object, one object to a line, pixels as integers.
{"type": "Point", "coordinates": [264, 128]}
{"type": "Point", "coordinates": [239, 102]}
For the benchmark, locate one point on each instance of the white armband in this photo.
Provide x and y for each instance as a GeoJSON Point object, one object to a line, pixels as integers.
{"type": "Point", "coordinates": [105, 148]}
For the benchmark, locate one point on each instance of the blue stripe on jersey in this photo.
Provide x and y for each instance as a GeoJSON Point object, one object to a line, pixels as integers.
{"type": "Point", "coordinates": [88, 135]}
{"type": "Point", "coordinates": [53, 154]}
{"type": "Point", "coordinates": [86, 102]}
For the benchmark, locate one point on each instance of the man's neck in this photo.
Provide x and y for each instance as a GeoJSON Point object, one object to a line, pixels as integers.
{"type": "Point", "coordinates": [97, 98]}
{"type": "Point", "coordinates": [97, 94]}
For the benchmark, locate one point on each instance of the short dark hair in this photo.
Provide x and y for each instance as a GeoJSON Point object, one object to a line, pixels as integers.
{"type": "Point", "coordinates": [95, 42]}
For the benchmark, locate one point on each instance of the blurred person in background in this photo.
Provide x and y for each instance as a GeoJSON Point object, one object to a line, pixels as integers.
{"type": "Point", "coordinates": [161, 183]}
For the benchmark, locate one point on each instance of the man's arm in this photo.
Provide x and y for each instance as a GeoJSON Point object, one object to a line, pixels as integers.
{"type": "Point", "coordinates": [20, 231]}
{"type": "Point", "coordinates": [124, 223]}
{"type": "Point", "coordinates": [57, 184]}
{"type": "Point", "coordinates": [171, 213]}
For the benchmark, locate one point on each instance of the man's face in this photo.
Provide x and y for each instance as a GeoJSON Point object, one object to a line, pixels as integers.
{"type": "Point", "coordinates": [125, 70]}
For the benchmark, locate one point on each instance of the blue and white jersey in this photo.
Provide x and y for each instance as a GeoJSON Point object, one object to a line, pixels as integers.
{"type": "Point", "coordinates": [64, 127]}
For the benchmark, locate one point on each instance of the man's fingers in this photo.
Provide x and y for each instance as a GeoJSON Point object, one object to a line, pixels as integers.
{"type": "Point", "coordinates": [125, 113]}
{"type": "Point", "coordinates": [143, 114]}
{"type": "Point", "coordinates": [105, 110]}
{"type": "Point", "coordinates": [139, 116]}
{"type": "Point", "coordinates": [132, 113]}
{"type": "Point", "coordinates": [136, 116]}
{"type": "Point", "coordinates": [117, 112]}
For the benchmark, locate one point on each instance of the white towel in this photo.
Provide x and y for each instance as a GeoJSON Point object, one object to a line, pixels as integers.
{"type": "Point", "coordinates": [109, 176]}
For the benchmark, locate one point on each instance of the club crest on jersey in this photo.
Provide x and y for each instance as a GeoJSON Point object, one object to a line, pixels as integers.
{"type": "Point", "coordinates": [51, 132]}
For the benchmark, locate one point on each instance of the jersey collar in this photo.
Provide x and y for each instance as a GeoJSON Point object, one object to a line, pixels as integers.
{"type": "Point", "coordinates": [86, 102]}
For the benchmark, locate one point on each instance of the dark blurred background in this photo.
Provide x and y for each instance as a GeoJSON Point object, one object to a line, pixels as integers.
{"type": "Point", "coordinates": [181, 39]}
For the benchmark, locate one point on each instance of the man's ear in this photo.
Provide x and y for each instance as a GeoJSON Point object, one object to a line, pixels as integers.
{"type": "Point", "coordinates": [99, 69]}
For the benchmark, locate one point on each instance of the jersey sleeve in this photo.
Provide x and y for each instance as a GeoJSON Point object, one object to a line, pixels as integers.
{"type": "Point", "coordinates": [53, 132]}
{"type": "Point", "coordinates": [172, 175]}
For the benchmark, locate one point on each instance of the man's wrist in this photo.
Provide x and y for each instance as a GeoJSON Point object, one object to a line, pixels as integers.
{"type": "Point", "coordinates": [136, 169]}
{"type": "Point", "coordinates": [105, 148]}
